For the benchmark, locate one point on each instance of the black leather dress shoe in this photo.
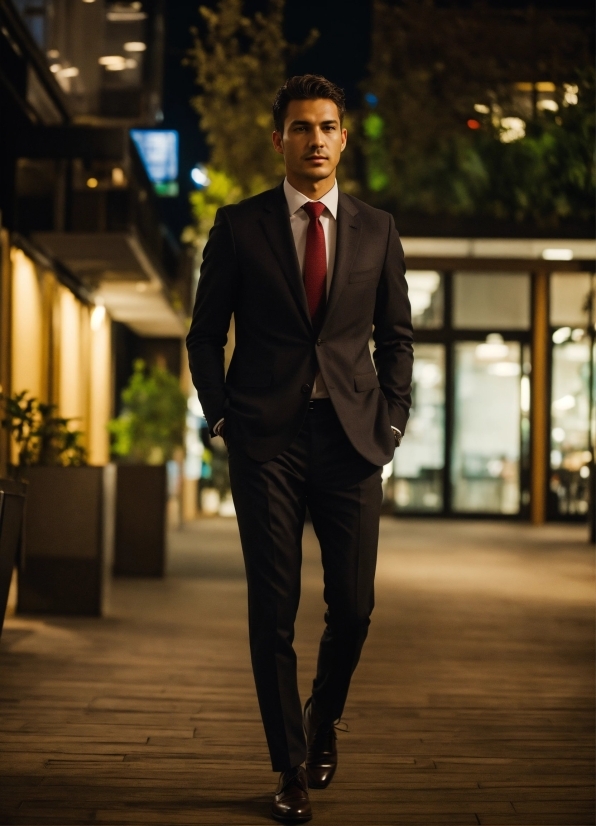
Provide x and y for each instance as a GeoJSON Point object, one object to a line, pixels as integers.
{"type": "Point", "coordinates": [321, 745]}
{"type": "Point", "coordinates": [291, 803]}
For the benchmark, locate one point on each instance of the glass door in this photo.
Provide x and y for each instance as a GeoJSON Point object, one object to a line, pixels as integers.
{"type": "Point", "coordinates": [485, 464]}
{"type": "Point", "coordinates": [419, 462]}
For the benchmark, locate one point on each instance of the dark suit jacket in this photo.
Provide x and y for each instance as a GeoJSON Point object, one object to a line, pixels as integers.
{"type": "Point", "coordinates": [250, 269]}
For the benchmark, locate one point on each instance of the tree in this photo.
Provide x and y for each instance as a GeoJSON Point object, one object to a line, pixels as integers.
{"type": "Point", "coordinates": [479, 111]}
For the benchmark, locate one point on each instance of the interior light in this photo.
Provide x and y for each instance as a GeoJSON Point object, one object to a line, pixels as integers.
{"type": "Point", "coordinates": [558, 434]}
{"type": "Point", "coordinates": [494, 349]}
{"type": "Point", "coordinates": [71, 71]}
{"type": "Point", "coordinates": [92, 183]}
{"type": "Point", "coordinates": [570, 97]}
{"type": "Point", "coordinates": [556, 457]}
{"type": "Point", "coordinates": [199, 176]}
{"type": "Point", "coordinates": [53, 54]}
{"type": "Point", "coordinates": [118, 178]}
{"type": "Point", "coordinates": [135, 46]}
{"type": "Point", "coordinates": [524, 394]}
{"type": "Point", "coordinates": [564, 403]}
{"type": "Point", "coordinates": [55, 67]}
{"type": "Point", "coordinates": [561, 335]}
{"type": "Point", "coordinates": [524, 87]}
{"type": "Point", "coordinates": [547, 105]}
{"type": "Point", "coordinates": [112, 60]}
{"type": "Point", "coordinates": [577, 334]}
{"type": "Point", "coordinates": [555, 254]}
{"type": "Point", "coordinates": [97, 316]}
{"type": "Point", "coordinates": [584, 472]}
{"type": "Point", "coordinates": [130, 63]}
{"type": "Point", "coordinates": [545, 86]}
{"type": "Point", "coordinates": [88, 1]}
{"type": "Point", "coordinates": [482, 108]}
{"type": "Point", "coordinates": [513, 129]}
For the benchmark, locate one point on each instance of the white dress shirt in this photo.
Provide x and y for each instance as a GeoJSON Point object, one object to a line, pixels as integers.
{"type": "Point", "coordinates": [299, 222]}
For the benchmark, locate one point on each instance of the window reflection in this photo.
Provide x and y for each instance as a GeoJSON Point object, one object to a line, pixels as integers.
{"type": "Point", "coordinates": [570, 442]}
{"type": "Point", "coordinates": [425, 290]}
{"type": "Point", "coordinates": [419, 462]}
{"type": "Point", "coordinates": [486, 449]}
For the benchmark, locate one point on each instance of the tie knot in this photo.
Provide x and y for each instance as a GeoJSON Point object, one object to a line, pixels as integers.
{"type": "Point", "coordinates": [313, 209]}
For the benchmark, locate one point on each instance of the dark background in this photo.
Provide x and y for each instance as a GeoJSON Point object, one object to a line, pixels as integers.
{"type": "Point", "coordinates": [341, 53]}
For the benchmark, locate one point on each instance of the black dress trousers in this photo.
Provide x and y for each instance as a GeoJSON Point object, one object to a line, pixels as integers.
{"type": "Point", "coordinates": [321, 470]}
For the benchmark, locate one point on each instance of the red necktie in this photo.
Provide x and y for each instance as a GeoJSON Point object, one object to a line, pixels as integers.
{"type": "Point", "coordinates": [315, 262]}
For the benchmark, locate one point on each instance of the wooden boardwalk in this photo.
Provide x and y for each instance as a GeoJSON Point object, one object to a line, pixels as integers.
{"type": "Point", "coordinates": [473, 703]}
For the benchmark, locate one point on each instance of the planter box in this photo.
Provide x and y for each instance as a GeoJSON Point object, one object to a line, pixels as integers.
{"type": "Point", "coordinates": [69, 536]}
{"type": "Point", "coordinates": [141, 499]}
{"type": "Point", "coordinates": [12, 501]}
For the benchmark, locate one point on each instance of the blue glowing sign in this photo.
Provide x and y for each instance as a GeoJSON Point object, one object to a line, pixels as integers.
{"type": "Point", "coordinates": [158, 149]}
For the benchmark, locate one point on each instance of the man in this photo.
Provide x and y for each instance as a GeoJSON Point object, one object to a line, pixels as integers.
{"type": "Point", "coordinates": [309, 273]}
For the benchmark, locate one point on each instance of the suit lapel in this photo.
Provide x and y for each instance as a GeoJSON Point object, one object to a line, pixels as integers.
{"type": "Point", "coordinates": [275, 221]}
{"type": "Point", "coordinates": [348, 240]}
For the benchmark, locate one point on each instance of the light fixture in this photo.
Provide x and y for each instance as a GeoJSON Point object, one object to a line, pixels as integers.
{"type": "Point", "coordinates": [88, 1]}
{"type": "Point", "coordinates": [547, 105]}
{"type": "Point", "coordinates": [513, 129]}
{"type": "Point", "coordinates": [545, 86]}
{"type": "Point", "coordinates": [504, 369]}
{"type": "Point", "coordinates": [118, 177]}
{"type": "Point", "coordinates": [482, 108]}
{"type": "Point", "coordinates": [556, 254]}
{"type": "Point", "coordinates": [564, 403]}
{"type": "Point", "coordinates": [584, 472]}
{"type": "Point", "coordinates": [135, 46]}
{"type": "Point", "coordinates": [199, 176]}
{"type": "Point", "coordinates": [558, 434]}
{"type": "Point", "coordinates": [97, 316]}
{"type": "Point", "coordinates": [55, 67]}
{"type": "Point", "coordinates": [92, 183]}
{"type": "Point", "coordinates": [493, 349]}
{"type": "Point", "coordinates": [53, 54]}
{"type": "Point", "coordinates": [570, 97]}
{"type": "Point", "coordinates": [70, 71]}
{"type": "Point", "coordinates": [561, 335]}
{"type": "Point", "coordinates": [112, 60]}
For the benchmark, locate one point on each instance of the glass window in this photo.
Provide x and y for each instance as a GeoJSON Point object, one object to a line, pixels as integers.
{"type": "Point", "coordinates": [484, 301]}
{"type": "Point", "coordinates": [419, 462]}
{"type": "Point", "coordinates": [568, 296]}
{"type": "Point", "coordinates": [486, 447]}
{"type": "Point", "coordinates": [425, 289]}
{"type": "Point", "coordinates": [570, 440]}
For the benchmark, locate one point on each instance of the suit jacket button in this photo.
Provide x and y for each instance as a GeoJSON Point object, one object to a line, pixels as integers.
{"type": "Point", "coordinates": [305, 388]}
{"type": "Point", "coordinates": [319, 342]}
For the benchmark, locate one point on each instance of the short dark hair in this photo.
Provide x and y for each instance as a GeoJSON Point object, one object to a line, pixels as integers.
{"type": "Point", "coordinates": [306, 87]}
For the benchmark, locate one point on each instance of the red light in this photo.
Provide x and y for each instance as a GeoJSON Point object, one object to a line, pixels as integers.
{"type": "Point", "coordinates": [473, 124]}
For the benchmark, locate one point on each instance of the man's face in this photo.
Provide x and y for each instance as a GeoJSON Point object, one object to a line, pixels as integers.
{"type": "Point", "coordinates": [312, 140]}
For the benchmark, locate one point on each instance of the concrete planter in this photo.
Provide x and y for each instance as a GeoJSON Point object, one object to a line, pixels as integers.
{"type": "Point", "coordinates": [141, 500]}
{"type": "Point", "coordinates": [12, 501]}
{"type": "Point", "coordinates": [69, 538]}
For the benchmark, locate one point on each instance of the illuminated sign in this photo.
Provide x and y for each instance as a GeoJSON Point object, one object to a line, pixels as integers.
{"type": "Point", "coordinates": [158, 149]}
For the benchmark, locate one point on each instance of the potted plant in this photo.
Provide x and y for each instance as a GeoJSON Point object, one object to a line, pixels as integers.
{"type": "Point", "coordinates": [148, 433]}
{"type": "Point", "coordinates": [68, 524]}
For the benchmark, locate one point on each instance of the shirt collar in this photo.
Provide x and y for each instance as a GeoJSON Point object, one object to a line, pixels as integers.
{"type": "Point", "coordinates": [296, 200]}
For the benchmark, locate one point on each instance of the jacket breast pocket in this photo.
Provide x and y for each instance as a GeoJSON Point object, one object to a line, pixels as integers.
{"type": "Point", "coordinates": [363, 275]}
{"type": "Point", "coordinates": [366, 381]}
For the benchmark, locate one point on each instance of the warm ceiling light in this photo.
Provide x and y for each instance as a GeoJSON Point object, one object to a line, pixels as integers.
{"type": "Point", "coordinates": [92, 183]}
{"type": "Point", "coordinates": [545, 86]}
{"type": "Point", "coordinates": [71, 71]}
{"type": "Point", "coordinates": [547, 106]}
{"type": "Point", "coordinates": [135, 46]}
{"type": "Point", "coordinates": [55, 67]}
{"type": "Point", "coordinates": [554, 254]}
{"type": "Point", "coordinates": [88, 1]}
{"type": "Point", "coordinates": [112, 60]}
{"type": "Point", "coordinates": [482, 108]}
{"type": "Point", "coordinates": [118, 178]}
{"type": "Point", "coordinates": [97, 316]}
{"type": "Point", "coordinates": [53, 54]}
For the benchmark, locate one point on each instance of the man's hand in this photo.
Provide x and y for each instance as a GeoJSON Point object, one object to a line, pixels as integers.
{"type": "Point", "coordinates": [396, 435]}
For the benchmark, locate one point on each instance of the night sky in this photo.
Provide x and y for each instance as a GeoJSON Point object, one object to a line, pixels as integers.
{"type": "Point", "coordinates": [341, 53]}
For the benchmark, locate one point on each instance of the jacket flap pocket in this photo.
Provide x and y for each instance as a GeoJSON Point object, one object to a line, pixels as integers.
{"type": "Point", "coordinates": [363, 275]}
{"type": "Point", "coordinates": [366, 381]}
{"type": "Point", "coordinates": [253, 379]}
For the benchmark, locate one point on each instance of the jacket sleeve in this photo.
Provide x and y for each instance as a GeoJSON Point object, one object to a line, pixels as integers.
{"type": "Point", "coordinates": [212, 313]}
{"type": "Point", "coordinates": [393, 336]}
